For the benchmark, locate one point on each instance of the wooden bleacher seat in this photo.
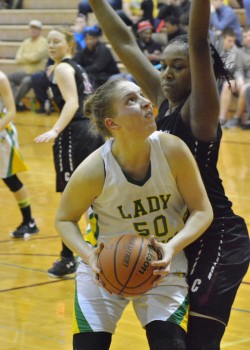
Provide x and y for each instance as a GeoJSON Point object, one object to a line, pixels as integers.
{"type": "Point", "coordinates": [50, 4]}
{"type": "Point", "coordinates": [14, 28]}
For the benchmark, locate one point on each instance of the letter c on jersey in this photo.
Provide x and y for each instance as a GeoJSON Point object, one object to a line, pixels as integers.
{"type": "Point", "coordinates": [195, 285]}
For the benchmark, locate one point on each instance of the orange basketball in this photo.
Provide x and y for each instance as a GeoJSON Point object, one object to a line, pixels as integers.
{"type": "Point", "coordinates": [125, 264]}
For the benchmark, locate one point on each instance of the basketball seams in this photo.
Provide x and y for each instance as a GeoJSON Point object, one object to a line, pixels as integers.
{"type": "Point", "coordinates": [136, 262]}
{"type": "Point", "coordinates": [128, 257]}
{"type": "Point", "coordinates": [114, 262]}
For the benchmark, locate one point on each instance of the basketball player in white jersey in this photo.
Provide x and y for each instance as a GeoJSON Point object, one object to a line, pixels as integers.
{"type": "Point", "coordinates": [11, 160]}
{"type": "Point", "coordinates": [141, 181]}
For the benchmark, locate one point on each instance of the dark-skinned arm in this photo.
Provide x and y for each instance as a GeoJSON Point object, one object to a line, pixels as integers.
{"type": "Point", "coordinates": [124, 44]}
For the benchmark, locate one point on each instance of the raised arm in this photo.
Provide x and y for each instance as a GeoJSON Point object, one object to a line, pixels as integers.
{"type": "Point", "coordinates": [204, 99]}
{"type": "Point", "coordinates": [125, 46]}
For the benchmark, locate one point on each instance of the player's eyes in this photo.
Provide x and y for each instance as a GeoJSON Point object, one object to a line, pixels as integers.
{"type": "Point", "coordinates": [132, 99]}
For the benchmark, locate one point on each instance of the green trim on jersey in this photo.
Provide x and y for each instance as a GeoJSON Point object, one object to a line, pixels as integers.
{"type": "Point", "coordinates": [93, 231]}
{"type": "Point", "coordinates": [80, 324]}
{"type": "Point", "coordinates": [180, 316]}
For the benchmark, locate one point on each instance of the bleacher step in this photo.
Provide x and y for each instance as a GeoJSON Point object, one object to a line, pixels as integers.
{"type": "Point", "coordinates": [46, 16]}
{"type": "Point", "coordinates": [48, 4]}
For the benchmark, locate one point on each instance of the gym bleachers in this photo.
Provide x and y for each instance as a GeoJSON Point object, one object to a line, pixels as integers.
{"type": "Point", "coordinates": [14, 25]}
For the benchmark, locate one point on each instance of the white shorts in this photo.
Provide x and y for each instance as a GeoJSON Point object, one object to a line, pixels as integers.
{"type": "Point", "coordinates": [98, 311]}
{"type": "Point", "coordinates": [11, 161]}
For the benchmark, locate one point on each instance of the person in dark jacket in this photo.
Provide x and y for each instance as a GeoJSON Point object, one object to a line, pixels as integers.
{"type": "Point", "coordinates": [96, 58]}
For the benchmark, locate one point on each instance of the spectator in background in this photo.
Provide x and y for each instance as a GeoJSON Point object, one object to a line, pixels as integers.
{"type": "Point", "coordinates": [85, 8]}
{"type": "Point", "coordinates": [32, 56]}
{"type": "Point", "coordinates": [229, 53]}
{"type": "Point", "coordinates": [242, 81]}
{"type": "Point", "coordinates": [171, 26]}
{"type": "Point", "coordinates": [222, 17]}
{"type": "Point", "coordinates": [96, 58]}
{"type": "Point", "coordinates": [246, 4]}
{"type": "Point", "coordinates": [177, 8]}
{"type": "Point", "coordinates": [246, 124]}
{"type": "Point", "coordinates": [81, 22]}
{"type": "Point", "coordinates": [134, 11]}
{"type": "Point", "coordinates": [40, 84]}
{"type": "Point", "coordinates": [149, 47]}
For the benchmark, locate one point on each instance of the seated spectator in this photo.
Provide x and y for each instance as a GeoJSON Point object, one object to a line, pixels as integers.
{"type": "Point", "coordinates": [246, 5]}
{"type": "Point", "coordinates": [222, 17]}
{"type": "Point", "coordinates": [134, 11]}
{"type": "Point", "coordinates": [32, 56]}
{"type": "Point", "coordinates": [174, 8]}
{"type": "Point", "coordinates": [96, 58]}
{"type": "Point", "coordinates": [149, 47]}
{"type": "Point", "coordinates": [245, 124]}
{"type": "Point", "coordinates": [40, 84]}
{"type": "Point", "coordinates": [81, 22]}
{"type": "Point", "coordinates": [238, 86]}
{"type": "Point", "coordinates": [78, 28]}
{"type": "Point", "coordinates": [148, 13]}
{"type": "Point", "coordinates": [85, 8]}
{"type": "Point", "coordinates": [171, 26]}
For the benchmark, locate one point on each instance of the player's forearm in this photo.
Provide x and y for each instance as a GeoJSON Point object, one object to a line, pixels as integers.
{"type": "Point", "coordinates": [67, 114]}
{"type": "Point", "coordinates": [195, 226]}
{"type": "Point", "coordinates": [111, 23]}
{"type": "Point", "coordinates": [199, 21]}
{"type": "Point", "coordinates": [73, 239]}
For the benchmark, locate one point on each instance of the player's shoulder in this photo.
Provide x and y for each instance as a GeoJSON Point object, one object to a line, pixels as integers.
{"type": "Point", "coordinates": [173, 147]}
{"type": "Point", "coordinates": [170, 140]}
{"type": "Point", "coordinates": [64, 68]}
{"type": "Point", "coordinates": [92, 167]}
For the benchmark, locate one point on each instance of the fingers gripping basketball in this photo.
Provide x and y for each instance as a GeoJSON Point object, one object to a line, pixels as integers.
{"type": "Point", "coordinates": [125, 264]}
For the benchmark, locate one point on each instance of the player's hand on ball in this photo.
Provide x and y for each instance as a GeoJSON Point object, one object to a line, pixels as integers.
{"type": "Point", "coordinates": [162, 266]}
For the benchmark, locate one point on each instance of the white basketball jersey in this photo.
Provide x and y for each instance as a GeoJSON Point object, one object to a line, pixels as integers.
{"type": "Point", "coordinates": [153, 207]}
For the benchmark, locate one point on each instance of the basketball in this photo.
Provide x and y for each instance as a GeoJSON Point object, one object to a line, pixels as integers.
{"type": "Point", "coordinates": [125, 264]}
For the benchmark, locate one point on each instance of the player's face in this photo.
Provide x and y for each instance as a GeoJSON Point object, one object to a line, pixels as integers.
{"type": "Point", "coordinates": [134, 112]}
{"type": "Point", "coordinates": [175, 73]}
{"type": "Point", "coordinates": [57, 45]}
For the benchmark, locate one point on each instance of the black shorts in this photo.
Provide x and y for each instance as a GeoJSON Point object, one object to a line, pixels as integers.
{"type": "Point", "coordinates": [218, 262]}
{"type": "Point", "coordinates": [71, 147]}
